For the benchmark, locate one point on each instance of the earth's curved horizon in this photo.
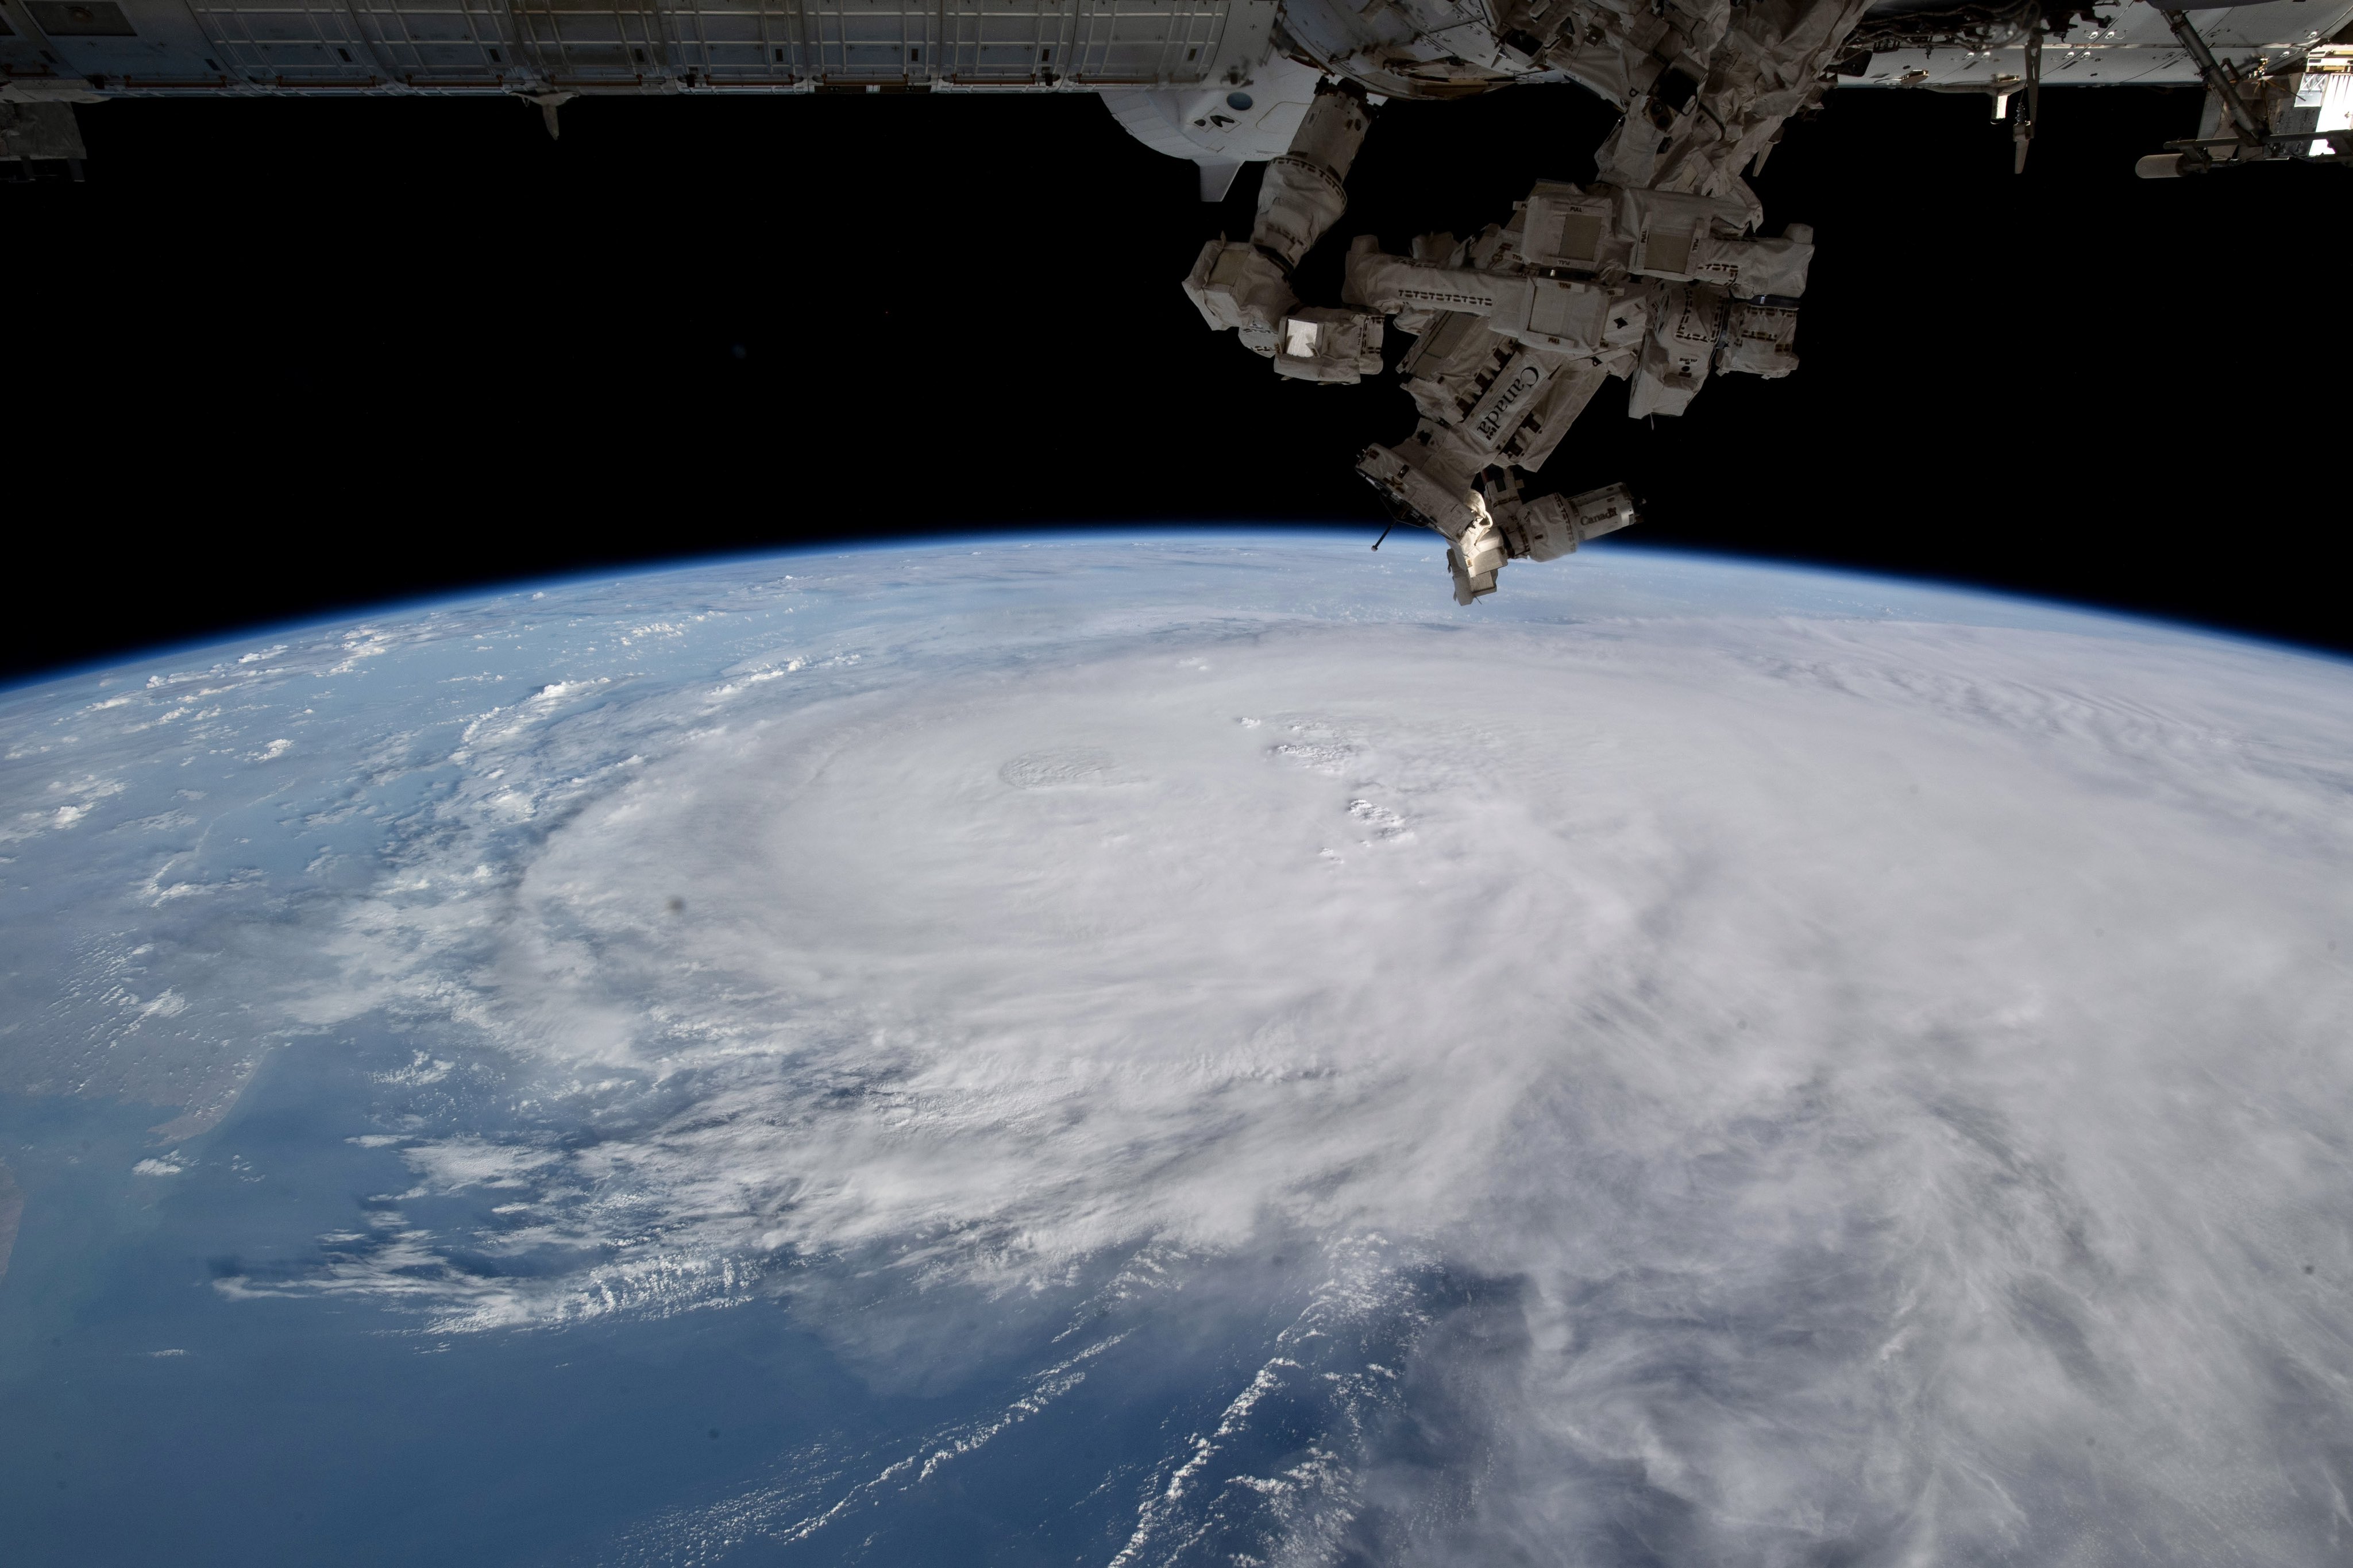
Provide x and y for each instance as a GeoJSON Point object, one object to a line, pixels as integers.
{"type": "Point", "coordinates": [1180, 1048]}
{"type": "Point", "coordinates": [1320, 535]}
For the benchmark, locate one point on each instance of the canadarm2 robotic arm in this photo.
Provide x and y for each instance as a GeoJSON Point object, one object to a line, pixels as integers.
{"type": "Point", "coordinates": [1246, 288]}
{"type": "Point", "coordinates": [1654, 273]}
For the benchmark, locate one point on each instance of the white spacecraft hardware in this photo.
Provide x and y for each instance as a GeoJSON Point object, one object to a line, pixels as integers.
{"type": "Point", "coordinates": [1658, 271]}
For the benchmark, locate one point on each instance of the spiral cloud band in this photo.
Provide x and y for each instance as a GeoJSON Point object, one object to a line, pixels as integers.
{"type": "Point", "coordinates": [1725, 1068]}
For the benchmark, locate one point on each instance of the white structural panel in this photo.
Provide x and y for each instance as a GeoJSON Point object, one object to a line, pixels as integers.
{"type": "Point", "coordinates": [489, 46]}
{"type": "Point", "coordinates": [67, 47]}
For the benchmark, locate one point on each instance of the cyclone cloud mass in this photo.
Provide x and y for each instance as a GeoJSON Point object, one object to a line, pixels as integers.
{"type": "Point", "coordinates": [1725, 1068]}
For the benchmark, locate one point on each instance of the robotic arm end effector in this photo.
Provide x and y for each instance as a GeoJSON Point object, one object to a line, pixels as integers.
{"type": "Point", "coordinates": [1337, 347]}
{"type": "Point", "coordinates": [1485, 530]}
{"type": "Point", "coordinates": [1238, 288]}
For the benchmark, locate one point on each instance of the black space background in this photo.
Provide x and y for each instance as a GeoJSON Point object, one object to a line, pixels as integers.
{"type": "Point", "coordinates": [282, 357]}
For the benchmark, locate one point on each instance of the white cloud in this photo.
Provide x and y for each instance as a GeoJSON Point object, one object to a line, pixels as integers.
{"type": "Point", "coordinates": [1823, 1021]}
{"type": "Point", "coordinates": [1880, 1080]}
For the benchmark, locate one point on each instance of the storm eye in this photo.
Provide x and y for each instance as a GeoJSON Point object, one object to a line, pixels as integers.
{"type": "Point", "coordinates": [1237, 100]}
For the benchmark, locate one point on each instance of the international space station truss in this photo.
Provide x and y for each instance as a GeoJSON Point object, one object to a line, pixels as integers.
{"type": "Point", "coordinates": [1660, 271]}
